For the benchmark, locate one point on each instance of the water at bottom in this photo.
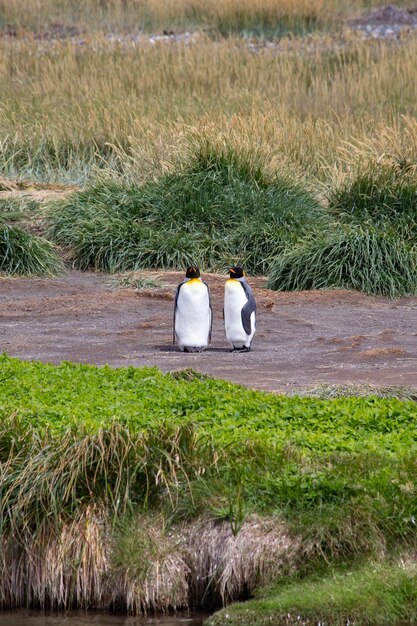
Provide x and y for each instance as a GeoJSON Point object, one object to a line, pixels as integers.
{"type": "Point", "coordinates": [32, 618]}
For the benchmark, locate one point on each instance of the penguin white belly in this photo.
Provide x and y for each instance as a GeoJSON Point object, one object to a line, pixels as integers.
{"type": "Point", "coordinates": [234, 301]}
{"type": "Point", "coordinates": [193, 315]}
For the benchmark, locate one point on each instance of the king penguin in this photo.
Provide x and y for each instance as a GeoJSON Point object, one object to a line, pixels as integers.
{"type": "Point", "coordinates": [193, 315]}
{"type": "Point", "coordinates": [239, 310]}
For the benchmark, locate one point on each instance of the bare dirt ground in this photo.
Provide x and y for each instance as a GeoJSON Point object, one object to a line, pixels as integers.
{"type": "Point", "coordinates": [303, 339]}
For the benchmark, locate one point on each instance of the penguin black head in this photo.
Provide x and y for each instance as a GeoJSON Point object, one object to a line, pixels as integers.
{"type": "Point", "coordinates": [236, 272]}
{"type": "Point", "coordinates": [192, 272]}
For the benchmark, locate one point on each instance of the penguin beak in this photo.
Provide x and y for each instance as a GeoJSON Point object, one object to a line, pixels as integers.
{"type": "Point", "coordinates": [232, 271]}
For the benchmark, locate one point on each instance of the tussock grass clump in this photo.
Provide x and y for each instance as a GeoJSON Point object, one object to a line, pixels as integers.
{"type": "Point", "coordinates": [370, 261]}
{"type": "Point", "coordinates": [149, 565]}
{"type": "Point", "coordinates": [221, 207]}
{"type": "Point", "coordinates": [24, 254]}
{"type": "Point", "coordinates": [82, 563]}
{"type": "Point", "coordinates": [382, 196]}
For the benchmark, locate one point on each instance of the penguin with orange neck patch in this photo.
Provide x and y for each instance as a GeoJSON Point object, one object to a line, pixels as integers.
{"type": "Point", "coordinates": [193, 315]}
{"type": "Point", "coordinates": [239, 311]}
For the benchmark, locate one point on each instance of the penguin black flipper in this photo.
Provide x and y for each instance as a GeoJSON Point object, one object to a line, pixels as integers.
{"type": "Point", "coordinates": [248, 309]}
{"type": "Point", "coordinates": [177, 293]}
{"type": "Point", "coordinates": [211, 311]}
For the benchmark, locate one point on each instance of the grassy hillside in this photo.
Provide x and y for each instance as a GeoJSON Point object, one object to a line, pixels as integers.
{"type": "Point", "coordinates": [85, 443]}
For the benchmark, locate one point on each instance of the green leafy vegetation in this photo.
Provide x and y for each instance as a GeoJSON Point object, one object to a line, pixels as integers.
{"type": "Point", "coordinates": [298, 455]}
{"type": "Point", "coordinates": [222, 207]}
{"type": "Point", "coordinates": [142, 454]}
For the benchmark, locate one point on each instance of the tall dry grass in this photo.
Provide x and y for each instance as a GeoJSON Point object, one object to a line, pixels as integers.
{"type": "Point", "coordinates": [67, 108]}
{"type": "Point", "coordinates": [87, 563]}
{"type": "Point", "coordinates": [258, 16]}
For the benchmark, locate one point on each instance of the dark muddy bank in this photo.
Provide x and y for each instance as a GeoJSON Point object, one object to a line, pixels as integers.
{"type": "Point", "coordinates": [32, 618]}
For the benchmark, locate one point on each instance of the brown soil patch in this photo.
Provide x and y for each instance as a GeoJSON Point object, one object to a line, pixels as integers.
{"type": "Point", "coordinates": [303, 339]}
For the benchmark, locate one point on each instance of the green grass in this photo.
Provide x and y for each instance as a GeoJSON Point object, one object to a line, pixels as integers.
{"type": "Point", "coordinates": [372, 261]}
{"type": "Point", "coordinates": [372, 594]}
{"type": "Point", "coordinates": [106, 434]}
{"type": "Point", "coordinates": [89, 398]}
{"type": "Point", "coordinates": [23, 254]}
{"type": "Point", "coordinates": [15, 209]}
{"type": "Point", "coordinates": [383, 196]}
{"type": "Point", "coordinates": [226, 207]}
{"type": "Point", "coordinates": [128, 442]}
{"type": "Point", "coordinates": [268, 28]}
{"type": "Point", "coordinates": [222, 208]}
{"type": "Point", "coordinates": [373, 246]}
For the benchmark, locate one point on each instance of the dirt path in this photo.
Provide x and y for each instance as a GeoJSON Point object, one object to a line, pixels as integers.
{"type": "Point", "coordinates": [303, 338]}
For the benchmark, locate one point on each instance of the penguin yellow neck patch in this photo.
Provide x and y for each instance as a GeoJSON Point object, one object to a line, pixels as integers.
{"type": "Point", "coordinates": [193, 281]}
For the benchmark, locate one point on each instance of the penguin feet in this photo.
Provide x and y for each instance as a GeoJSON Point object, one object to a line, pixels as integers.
{"type": "Point", "coordinates": [242, 349]}
{"type": "Point", "coordinates": [194, 349]}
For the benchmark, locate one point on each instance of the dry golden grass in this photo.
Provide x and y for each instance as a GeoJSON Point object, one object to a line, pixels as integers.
{"type": "Point", "coordinates": [260, 550]}
{"type": "Point", "coordinates": [222, 17]}
{"type": "Point", "coordinates": [382, 352]}
{"type": "Point", "coordinates": [86, 564]}
{"type": "Point", "coordinates": [137, 109]}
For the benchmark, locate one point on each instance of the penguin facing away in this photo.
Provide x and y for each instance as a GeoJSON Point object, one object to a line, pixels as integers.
{"type": "Point", "coordinates": [193, 315]}
{"type": "Point", "coordinates": [239, 310]}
